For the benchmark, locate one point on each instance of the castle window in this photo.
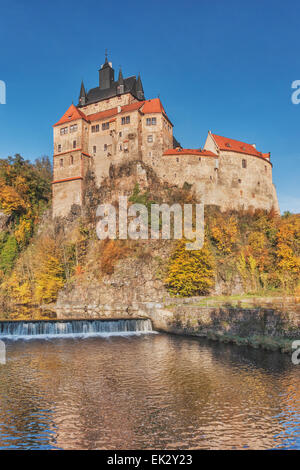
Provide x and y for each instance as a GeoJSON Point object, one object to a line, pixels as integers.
{"type": "Point", "coordinates": [95, 128]}
{"type": "Point", "coordinates": [73, 128]}
{"type": "Point", "coordinates": [59, 148]}
{"type": "Point", "coordinates": [94, 149]}
{"type": "Point", "coordinates": [74, 144]}
{"type": "Point", "coordinates": [105, 147]}
{"type": "Point", "coordinates": [150, 138]}
{"type": "Point", "coordinates": [64, 130]}
{"type": "Point", "coordinates": [125, 120]}
{"type": "Point", "coordinates": [177, 159]}
{"type": "Point", "coordinates": [120, 134]}
{"type": "Point", "coordinates": [71, 160]}
{"type": "Point", "coordinates": [105, 126]}
{"type": "Point", "coordinates": [150, 154]}
{"type": "Point", "coordinates": [244, 163]}
{"type": "Point", "coordinates": [61, 162]}
{"type": "Point", "coordinates": [266, 168]}
{"type": "Point", "coordinates": [199, 159]}
{"type": "Point", "coordinates": [240, 181]}
{"type": "Point", "coordinates": [151, 121]}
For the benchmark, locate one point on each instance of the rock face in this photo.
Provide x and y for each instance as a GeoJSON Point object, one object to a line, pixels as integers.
{"type": "Point", "coordinates": [4, 220]}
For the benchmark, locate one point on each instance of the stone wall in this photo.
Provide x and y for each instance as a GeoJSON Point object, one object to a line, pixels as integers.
{"type": "Point", "coordinates": [266, 323]}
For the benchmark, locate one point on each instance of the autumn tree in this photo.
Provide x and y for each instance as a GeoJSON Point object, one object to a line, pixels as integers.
{"type": "Point", "coordinates": [190, 272]}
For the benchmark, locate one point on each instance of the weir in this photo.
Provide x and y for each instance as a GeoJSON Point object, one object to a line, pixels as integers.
{"type": "Point", "coordinates": [70, 328]}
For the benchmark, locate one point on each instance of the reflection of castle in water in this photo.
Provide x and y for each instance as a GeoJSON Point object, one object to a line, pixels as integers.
{"type": "Point", "coordinates": [157, 391]}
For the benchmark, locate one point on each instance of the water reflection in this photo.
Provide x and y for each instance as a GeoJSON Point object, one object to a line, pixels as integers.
{"type": "Point", "coordinates": [154, 391]}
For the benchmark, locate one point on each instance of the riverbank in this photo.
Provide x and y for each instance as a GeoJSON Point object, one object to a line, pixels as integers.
{"type": "Point", "coordinates": [271, 323]}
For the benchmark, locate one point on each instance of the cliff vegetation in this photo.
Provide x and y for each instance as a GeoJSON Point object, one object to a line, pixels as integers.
{"type": "Point", "coordinates": [244, 252]}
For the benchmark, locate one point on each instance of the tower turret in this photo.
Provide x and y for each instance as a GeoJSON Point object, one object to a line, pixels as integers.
{"type": "Point", "coordinates": [120, 86]}
{"type": "Point", "coordinates": [139, 89]}
{"type": "Point", "coordinates": [82, 95]}
{"type": "Point", "coordinates": [106, 75]}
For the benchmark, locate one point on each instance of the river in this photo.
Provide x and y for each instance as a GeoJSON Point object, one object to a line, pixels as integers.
{"type": "Point", "coordinates": [147, 391]}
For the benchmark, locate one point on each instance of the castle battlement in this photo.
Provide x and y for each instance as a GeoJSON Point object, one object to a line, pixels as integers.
{"type": "Point", "coordinates": [114, 123]}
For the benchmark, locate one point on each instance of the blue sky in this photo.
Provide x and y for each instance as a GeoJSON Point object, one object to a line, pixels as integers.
{"type": "Point", "coordinates": [221, 65]}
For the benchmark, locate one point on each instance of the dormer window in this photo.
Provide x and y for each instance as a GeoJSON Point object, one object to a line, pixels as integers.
{"type": "Point", "coordinates": [228, 144]}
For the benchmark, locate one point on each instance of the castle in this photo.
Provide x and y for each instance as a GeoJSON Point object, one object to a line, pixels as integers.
{"type": "Point", "coordinates": [114, 123]}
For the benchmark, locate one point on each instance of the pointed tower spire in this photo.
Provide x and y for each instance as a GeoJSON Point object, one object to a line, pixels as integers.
{"type": "Point", "coordinates": [106, 60]}
{"type": "Point", "coordinates": [120, 86]}
{"type": "Point", "coordinates": [82, 95]}
{"type": "Point", "coordinates": [139, 89]}
{"type": "Point", "coordinates": [120, 79]}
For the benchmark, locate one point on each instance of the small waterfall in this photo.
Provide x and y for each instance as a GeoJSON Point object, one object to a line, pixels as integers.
{"type": "Point", "coordinates": [70, 328]}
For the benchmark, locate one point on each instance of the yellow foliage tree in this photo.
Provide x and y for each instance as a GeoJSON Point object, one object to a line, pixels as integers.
{"type": "Point", "coordinates": [190, 272]}
{"type": "Point", "coordinates": [49, 276]}
{"type": "Point", "coordinates": [23, 230]}
{"type": "Point", "coordinates": [10, 200]}
{"type": "Point", "coordinates": [224, 233]}
{"type": "Point", "coordinates": [288, 253]}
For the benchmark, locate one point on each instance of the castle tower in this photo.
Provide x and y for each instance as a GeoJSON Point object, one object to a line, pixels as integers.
{"type": "Point", "coordinates": [106, 75]}
{"type": "Point", "coordinates": [70, 160]}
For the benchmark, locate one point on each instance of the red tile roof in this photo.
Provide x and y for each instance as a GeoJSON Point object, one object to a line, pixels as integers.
{"type": "Point", "coordinates": [153, 106]}
{"type": "Point", "coordinates": [103, 114]}
{"type": "Point", "coordinates": [114, 111]}
{"type": "Point", "coordinates": [224, 143]}
{"type": "Point", "coordinates": [72, 114]}
{"type": "Point", "coordinates": [132, 106]}
{"type": "Point", "coordinates": [147, 107]}
{"type": "Point", "coordinates": [180, 151]}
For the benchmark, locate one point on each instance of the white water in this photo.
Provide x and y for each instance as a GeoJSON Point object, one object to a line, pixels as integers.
{"type": "Point", "coordinates": [73, 328]}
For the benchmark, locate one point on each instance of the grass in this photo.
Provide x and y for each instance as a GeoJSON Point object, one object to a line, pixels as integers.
{"type": "Point", "coordinates": [257, 341]}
